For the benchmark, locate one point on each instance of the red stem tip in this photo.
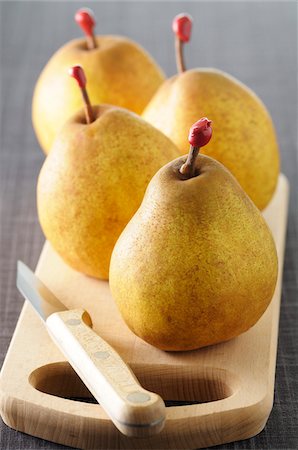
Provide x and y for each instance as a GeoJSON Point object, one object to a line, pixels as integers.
{"type": "Point", "coordinates": [85, 19]}
{"type": "Point", "coordinates": [200, 133]}
{"type": "Point", "coordinates": [77, 72]}
{"type": "Point", "coordinates": [181, 26]}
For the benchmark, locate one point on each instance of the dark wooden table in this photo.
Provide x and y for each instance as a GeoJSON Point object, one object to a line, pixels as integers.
{"type": "Point", "coordinates": [254, 41]}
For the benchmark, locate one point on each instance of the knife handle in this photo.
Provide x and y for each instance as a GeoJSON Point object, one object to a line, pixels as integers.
{"type": "Point", "coordinates": [134, 410]}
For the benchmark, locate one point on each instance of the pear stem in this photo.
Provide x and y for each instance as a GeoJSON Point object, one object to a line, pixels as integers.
{"type": "Point", "coordinates": [88, 108]}
{"type": "Point", "coordinates": [91, 41]}
{"type": "Point", "coordinates": [84, 17]}
{"type": "Point", "coordinates": [179, 55]}
{"type": "Point", "coordinates": [188, 168]}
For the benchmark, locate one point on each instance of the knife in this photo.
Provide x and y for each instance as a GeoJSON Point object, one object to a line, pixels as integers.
{"type": "Point", "coordinates": [133, 410]}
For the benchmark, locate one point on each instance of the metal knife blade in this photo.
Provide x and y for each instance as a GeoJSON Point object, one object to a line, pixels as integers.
{"type": "Point", "coordinates": [32, 288]}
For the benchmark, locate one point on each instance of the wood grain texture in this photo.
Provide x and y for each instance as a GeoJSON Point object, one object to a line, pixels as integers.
{"type": "Point", "coordinates": [233, 381]}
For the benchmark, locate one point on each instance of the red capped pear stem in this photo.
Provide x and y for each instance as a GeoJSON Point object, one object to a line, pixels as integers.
{"type": "Point", "coordinates": [77, 72]}
{"type": "Point", "coordinates": [87, 106]}
{"type": "Point", "coordinates": [181, 27]}
{"type": "Point", "coordinates": [199, 135]}
{"type": "Point", "coordinates": [189, 167]}
{"type": "Point", "coordinates": [84, 17]}
{"type": "Point", "coordinates": [179, 55]}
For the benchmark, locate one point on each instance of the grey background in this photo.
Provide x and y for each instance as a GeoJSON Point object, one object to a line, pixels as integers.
{"type": "Point", "coordinates": [254, 41]}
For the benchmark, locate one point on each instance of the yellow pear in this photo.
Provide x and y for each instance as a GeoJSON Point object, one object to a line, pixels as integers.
{"type": "Point", "coordinates": [244, 136]}
{"type": "Point", "coordinates": [119, 72]}
{"type": "Point", "coordinates": [196, 265]}
{"type": "Point", "coordinates": [94, 180]}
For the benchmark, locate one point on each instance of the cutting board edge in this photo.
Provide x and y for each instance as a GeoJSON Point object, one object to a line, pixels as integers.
{"type": "Point", "coordinates": [202, 433]}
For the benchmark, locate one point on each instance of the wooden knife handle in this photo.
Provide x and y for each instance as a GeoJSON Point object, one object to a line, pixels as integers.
{"type": "Point", "coordinates": [134, 410]}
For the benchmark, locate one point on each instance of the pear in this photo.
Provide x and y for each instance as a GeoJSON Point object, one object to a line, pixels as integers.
{"type": "Point", "coordinates": [244, 136]}
{"type": "Point", "coordinates": [197, 264]}
{"type": "Point", "coordinates": [94, 180]}
{"type": "Point", "coordinates": [119, 72]}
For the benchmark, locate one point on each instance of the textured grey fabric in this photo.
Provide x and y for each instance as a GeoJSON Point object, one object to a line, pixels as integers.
{"type": "Point", "coordinates": [254, 41]}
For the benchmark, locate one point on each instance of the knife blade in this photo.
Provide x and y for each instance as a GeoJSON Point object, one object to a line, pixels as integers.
{"type": "Point", "coordinates": [134, 410]}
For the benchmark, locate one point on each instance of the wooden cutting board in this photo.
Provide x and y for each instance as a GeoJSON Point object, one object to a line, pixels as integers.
{"type": "Point", "coordinates": [232, 383]}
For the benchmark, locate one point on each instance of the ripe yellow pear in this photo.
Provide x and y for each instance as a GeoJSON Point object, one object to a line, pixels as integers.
{"type": "Point", "coordinates": [244, 136]}
{"type": "Point", "coordinates": [196, 265]}
{"type": "Point", "coordinates": [119, 72]}
{"type": "Point", "coordinates": [94, 180]}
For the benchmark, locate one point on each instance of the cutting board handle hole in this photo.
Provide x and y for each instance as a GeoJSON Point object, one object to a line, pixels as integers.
{"type": "Point", "coordinates": [181, 385]}
{"type": "Point", "coordinates": [59, 379]}
{"type": "Point", "coordinates": [188, 383]}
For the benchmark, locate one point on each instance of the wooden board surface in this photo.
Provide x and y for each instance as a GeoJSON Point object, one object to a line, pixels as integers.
{"type": "Point", "coordinates": [233, 381]}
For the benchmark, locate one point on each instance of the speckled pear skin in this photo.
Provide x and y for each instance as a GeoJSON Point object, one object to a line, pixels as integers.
{"type": "Point", "coordinates": [197, 264]}
{"type": "Point", "coordinates": [94, 180]}
{"type": "Point", "coordinates": [118, 72]}
{"type": "Point", "coordinates": [244, 138]}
